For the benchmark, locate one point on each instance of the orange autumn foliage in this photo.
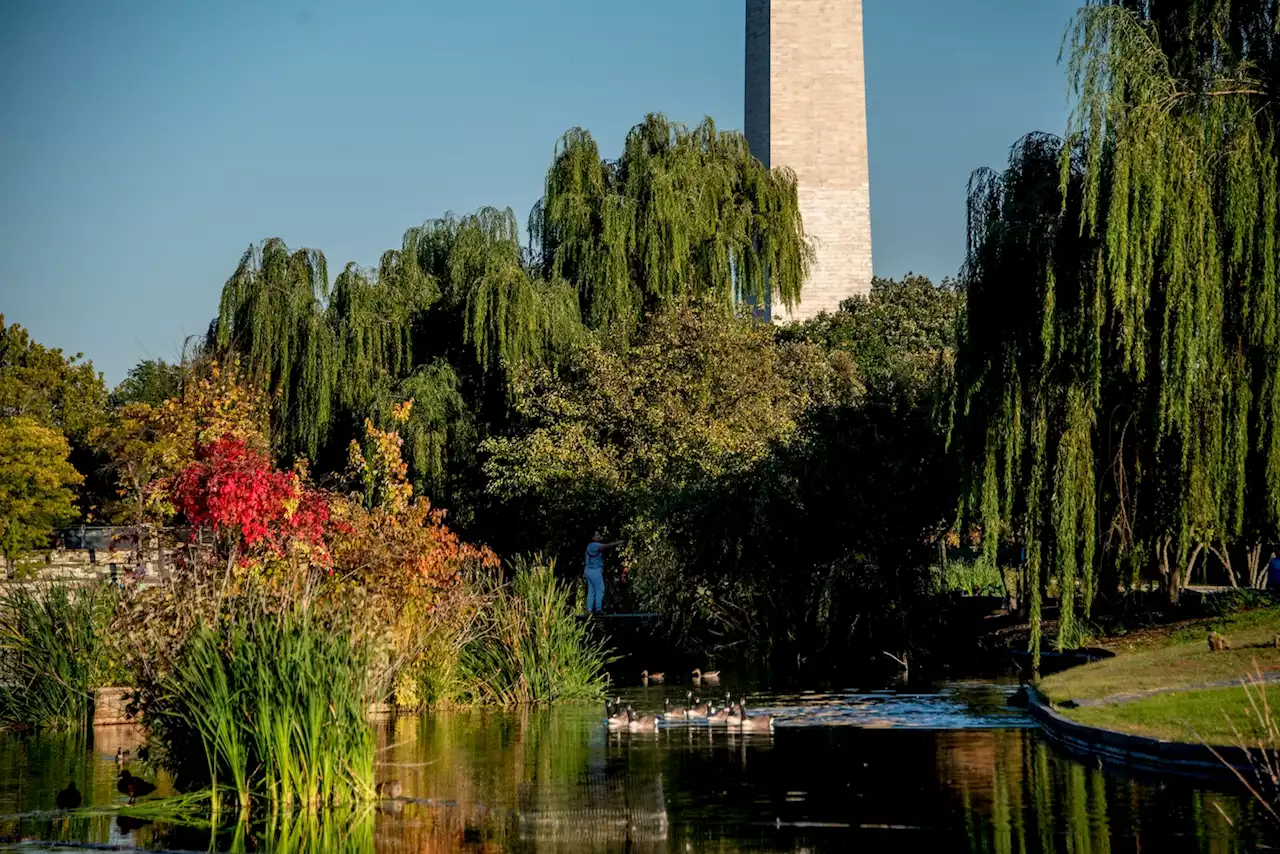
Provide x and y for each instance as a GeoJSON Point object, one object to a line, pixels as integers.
{"type": "Point", "coordinates": [396, 548]}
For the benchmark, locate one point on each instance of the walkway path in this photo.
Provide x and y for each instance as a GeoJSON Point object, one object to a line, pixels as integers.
{"type": "Point", "coordinates": [1131, 696]}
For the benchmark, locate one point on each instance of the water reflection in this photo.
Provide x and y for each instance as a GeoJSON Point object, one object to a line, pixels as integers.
{"type": "Point", "coordinates": [957, 771]}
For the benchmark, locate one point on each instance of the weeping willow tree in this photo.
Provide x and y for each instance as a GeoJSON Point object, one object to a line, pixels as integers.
{"type": "Point", "coordinates": [506, 313]}
{"type": "Point", "coordinates": [272, 314]}
{"type": "Point", "coordinates": [448, 315]}
{"type": "Point", "coordinates": [681, 213]}
{"type": "Point", "coordinates": [1119, 378]}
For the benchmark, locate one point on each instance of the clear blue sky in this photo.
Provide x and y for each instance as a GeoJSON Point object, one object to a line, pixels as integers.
{"type": "Point", "coordinates": [144, 144]}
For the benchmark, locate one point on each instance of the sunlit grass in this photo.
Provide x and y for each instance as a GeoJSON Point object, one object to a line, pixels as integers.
{"type": "Point", "coordinates": [1213, 715]}
{"type": "Point", "coordinates": [1181, 659]}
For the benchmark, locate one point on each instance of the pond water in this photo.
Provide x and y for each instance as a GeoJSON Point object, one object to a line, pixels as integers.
{"type": "Point", "coordinates": [958, 769]}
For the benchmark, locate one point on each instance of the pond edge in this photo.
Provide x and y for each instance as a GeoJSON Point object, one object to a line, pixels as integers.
{"type": "Point", "coordinates": [1139, 752]}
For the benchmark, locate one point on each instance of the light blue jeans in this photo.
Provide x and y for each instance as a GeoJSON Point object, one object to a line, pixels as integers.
{"type": "Point", "coordinates": [595, 591]}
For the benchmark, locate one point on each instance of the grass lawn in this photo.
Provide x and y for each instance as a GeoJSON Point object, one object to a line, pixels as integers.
{"type": "Point", "coordinates": [1209, 714]}
{"type": "Point", "coordinates": [1170, 659]}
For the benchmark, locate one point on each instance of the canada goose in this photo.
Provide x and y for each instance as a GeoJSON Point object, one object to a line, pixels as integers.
{"type": "Point", "coordinates": [615, 714]}
{"type": "Point", "coordinates": [641, 723]}
{"type": "Point", "coordinates": [712, 676]}
{"type": "Point", "coordinates": [676, 714]}
{"type": "Point", "coordinates": [134, 787]}
{"type": "Point", "coordinates": [389, 789]}
{"type": "Point", "coordinates": [763, 723]}
{"type": "Point", "coordinates": [736, 715]}
{"type": "Point", "coordinates": [696, 711]}
{"type": "Point", "coordinates": [718, 716]}
{"type": "Point", "coordinates": [69, 798]}
{"type": "Point", "coordinates": [646, 677]}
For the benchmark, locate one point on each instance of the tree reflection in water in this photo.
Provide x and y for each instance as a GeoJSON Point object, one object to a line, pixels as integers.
{"type": "Point", "coordinates": [559, 781]}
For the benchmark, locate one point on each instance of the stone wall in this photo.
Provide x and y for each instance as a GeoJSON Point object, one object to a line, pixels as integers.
{"type": "Point", "coordinates": [71, 566]}
{"type": "Point", "coordinates": [806, 108]}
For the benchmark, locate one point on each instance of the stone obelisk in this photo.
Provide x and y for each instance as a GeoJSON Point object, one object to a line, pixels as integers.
{"type": "Point", "coordinates": [806, 108]}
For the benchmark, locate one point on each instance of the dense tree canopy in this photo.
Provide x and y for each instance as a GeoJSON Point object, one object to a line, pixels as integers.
{"type": "Point", "coordinates": [448, 316]}
{"type": "Point", "coordinates": [605, 437]}
{"type": "Point", "coordinates": [900, 330]}
{"type": "Point", "coordinates": [785, 487]}
{"type": "Point", "coordinates": [1120, 364]}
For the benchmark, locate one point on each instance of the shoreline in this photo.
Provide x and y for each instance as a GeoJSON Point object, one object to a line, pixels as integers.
{"type": "Point", "coordinates": [1138, 752]}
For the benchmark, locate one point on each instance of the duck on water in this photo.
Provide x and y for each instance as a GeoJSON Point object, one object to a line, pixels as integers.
{"type": "Point", "coordinates": [733, 715]}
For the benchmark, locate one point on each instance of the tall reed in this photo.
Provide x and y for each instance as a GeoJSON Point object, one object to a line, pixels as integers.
{"type": "Point", "coordinates": [530, 647]}
{"type": "Point", "coordinates": [280, 704]}
{"type": "Point", "coordinates": [53, 654]}
{"type": "Point", "coordinates": [1259, 741]}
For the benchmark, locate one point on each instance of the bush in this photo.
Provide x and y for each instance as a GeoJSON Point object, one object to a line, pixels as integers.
{"type": "Point", "coordinates": [972, 577]}
{"type": "Point", "coordinates": [54, 654]}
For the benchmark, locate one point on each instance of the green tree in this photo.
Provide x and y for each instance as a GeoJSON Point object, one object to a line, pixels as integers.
{"type": "Point", "coordinates": [681, 213]}
{"type": "Point", "coordinates": [36, 483]}
{"type": "Point", "coordinates": [609, 434]}
{"type": "Point", "coordinates": [139, 452]}
{"type": "Point", "coordinates": [822, 545]}
{"type": "Point", "coordinates": [901, 329]}
{"type": "Point", "coordinates": [1119, 379]}
{"type": "Point", "coordinates": [151, 381]}
{"type": "Point", "coordinates": [42, 384]}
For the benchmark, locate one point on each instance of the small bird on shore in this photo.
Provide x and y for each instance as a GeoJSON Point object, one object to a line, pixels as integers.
{"type": "Point", "coordinates": [712, 676]}
{"type": "Point", "coordinates": [389, 789]}
{"type": "Point", "coordinates": [134, 787]}
{"type": "Point", "coordinates": [641, 723]}
{"type": "Point", "coordinates": [70, 797]}
{"type": "Point", "coordinates": [122, 756]}
{"type": "Point", "coordinates": [646, 677]}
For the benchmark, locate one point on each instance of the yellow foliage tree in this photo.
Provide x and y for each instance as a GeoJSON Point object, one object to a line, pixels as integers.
{"type": "Point", "coordinates": [35, 484]}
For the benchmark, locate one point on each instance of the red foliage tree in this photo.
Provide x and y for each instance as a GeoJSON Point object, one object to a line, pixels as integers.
{"type": "Point", "coordinates": [233, 488]}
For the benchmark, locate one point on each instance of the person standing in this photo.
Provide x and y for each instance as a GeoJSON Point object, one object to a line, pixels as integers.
{"type": "Point", "coordinates": [595, 571]}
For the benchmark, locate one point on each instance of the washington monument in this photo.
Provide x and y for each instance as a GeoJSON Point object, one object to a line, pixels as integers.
{"type": "Point", "coordinates": [806, 108]}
